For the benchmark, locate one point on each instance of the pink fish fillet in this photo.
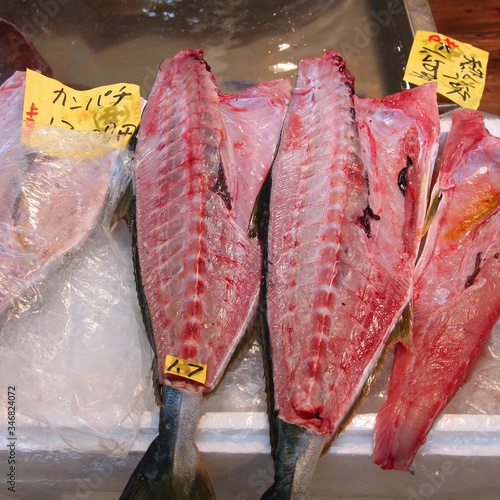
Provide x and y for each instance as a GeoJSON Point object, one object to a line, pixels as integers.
{"type": "Point", "coordinates": [49, 204]}
{"type": "Point", "coordinates": [197, 176]}
{"type": "Point", "coordinates": [399, 137]}
{"type": "Point", "coordinates": [456, 292]}
{"type": "Point", "coordinates": [201, 160]}
{"type": "Point", "coordinates": [331, 302]}
{"type": "Point", "coordinates": [331, 305]}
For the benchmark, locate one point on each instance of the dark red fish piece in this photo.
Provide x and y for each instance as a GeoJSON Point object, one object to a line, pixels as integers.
{"type": "Point", "coordinates": [18, 52]}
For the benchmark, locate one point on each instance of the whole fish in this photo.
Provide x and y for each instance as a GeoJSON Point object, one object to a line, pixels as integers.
{"type": "Point", "coordinates": [333, 296]}
{"type": "Point", "coordinates": [456, 292]}
{"type": "Point", "coordinates": [50, 203]}
{"type": "Point", "coordinates": [201, 159]}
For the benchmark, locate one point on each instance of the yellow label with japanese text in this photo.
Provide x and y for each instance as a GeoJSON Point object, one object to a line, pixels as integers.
{"type": "Point", "coordinates": [114, 109]}
{"type": "Point", "coordinates": [458, 68]}
{"type": "Point", "coordinates": [185, 368]}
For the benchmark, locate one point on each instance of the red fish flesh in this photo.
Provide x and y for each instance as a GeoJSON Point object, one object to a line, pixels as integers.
{"type": "Point", "coordinates": [331, 301]}
{"type": "Point", "coordinates": [456, 292]}
{"type": "Point", "coordinates": [201, 159]}
{"type": "Point", "coordinates": [399, 137]}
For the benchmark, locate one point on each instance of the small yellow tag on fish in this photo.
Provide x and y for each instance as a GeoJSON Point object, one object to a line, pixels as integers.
{"type": "Point", "coordinates": [185, 368]}
{"type": "Point", "coordinates": [114, 109]}
{"type": "Point", "coordinates": [458, 68]}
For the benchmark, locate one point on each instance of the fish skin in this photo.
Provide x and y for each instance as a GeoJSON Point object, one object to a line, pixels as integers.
{"type": "Point", "coordinates": [45, 212]}
{"type": "Point", "coordinates": [331, 304]}
{"type": "Point", "coordinates": [200, 273]}
{"type": "Point", "coordinates": [297, 449]}
{"type": "Point", "coordinates": [456, 294]}
{"type": "Point", "coordinates": [18, 53]}
{"type": "Point", "coordinates": [187, 477]}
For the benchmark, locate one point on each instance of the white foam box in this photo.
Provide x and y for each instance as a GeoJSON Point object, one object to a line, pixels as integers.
{"type": "Point", "coordinates": [461, 460]}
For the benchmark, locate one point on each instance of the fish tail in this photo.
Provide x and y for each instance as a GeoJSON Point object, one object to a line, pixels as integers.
{"type": "Point", "coordinates": [298, 450]}
{"type": "Point", "coordinates": [171, 468]}
{"type": "Point", "coordinates": [152, 479]}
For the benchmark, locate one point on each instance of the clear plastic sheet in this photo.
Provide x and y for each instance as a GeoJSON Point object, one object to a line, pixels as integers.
{"type": "Point", "coordinates": [56, 191]}
{"type": "Point", "coordinates": [72, 342]}
{"type": "Point", "coordinates": [78, 356]}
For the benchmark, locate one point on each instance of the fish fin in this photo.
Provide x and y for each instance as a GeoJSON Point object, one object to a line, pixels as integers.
{"type": "Point", "coordinates": [153, 478]}
{"type": "Point", "coordinates": [402, 332]}
{"type": "Point", "coordinates": [172, 468]}
{"type": "Point", "coordinates": [431, 211]}
{"type": "Point", "coordinates": [123, 208]}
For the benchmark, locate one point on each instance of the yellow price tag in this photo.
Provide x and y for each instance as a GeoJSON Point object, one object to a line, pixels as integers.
{"type": "Point", "coordinates": [114, 109]}
{"type": "Point", "coordinates": [458, 68]}
{"type": "Point", "coordinates": [185, 368]}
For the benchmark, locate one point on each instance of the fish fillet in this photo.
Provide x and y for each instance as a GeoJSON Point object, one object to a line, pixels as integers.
{"type": "Point", "coordinates": [343, 238]}
{"type": "Point", "coordinates": [331, 305]}
{"type": "Point", "coordinates": [201, 272]}
{"type": "Point", "coordinates": [456, 292]}
{"type": "Point", "coordinates": [201, 160]}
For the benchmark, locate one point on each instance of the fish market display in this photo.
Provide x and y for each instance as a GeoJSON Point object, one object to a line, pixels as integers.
{"type": "Point", "coordinates": [333, 292]}
{"type": "Point", "coordinates": [18, 53]}
{"type": "Point", "coordinates": [198, 272]}
{"type": "Point", "coordinates": [456, 292]}
{"type": "Point", "coordinates": [50, 202]}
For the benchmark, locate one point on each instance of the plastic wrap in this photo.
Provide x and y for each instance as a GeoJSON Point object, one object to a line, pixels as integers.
{"type": "Point", "coordinates": [71, 339]}
{"type": "Point", "coordinates": [78, 356]}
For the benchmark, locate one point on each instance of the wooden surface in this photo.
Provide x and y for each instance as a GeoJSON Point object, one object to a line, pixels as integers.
{"type": "Point", "coordinates": [478, 23]}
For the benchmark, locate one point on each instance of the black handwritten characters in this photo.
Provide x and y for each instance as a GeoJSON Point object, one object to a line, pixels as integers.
{"type": "Point", "coordinates": [113, 109]}
{"type": "Point", "coordinates": [459, 68]}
